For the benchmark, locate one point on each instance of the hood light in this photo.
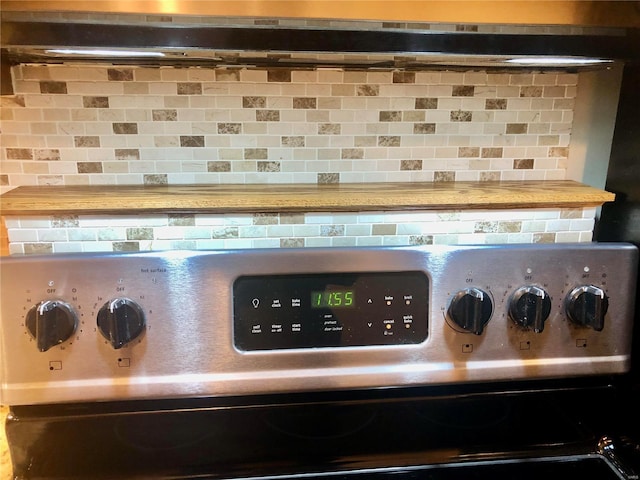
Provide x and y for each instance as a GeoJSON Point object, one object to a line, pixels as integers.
{"type": "Point", "coordinates": [557, 61]}
{"type": "Point", "coordinates": [106, 53]}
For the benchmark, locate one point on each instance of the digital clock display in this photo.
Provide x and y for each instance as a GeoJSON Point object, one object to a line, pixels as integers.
{"type": "Point", "coordinates": [273, 312]}
{"type": "Point", "coordinates": [333, 299]}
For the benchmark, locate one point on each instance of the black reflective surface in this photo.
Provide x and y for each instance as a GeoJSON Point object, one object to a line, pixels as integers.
{"type": "Point", "coordinates": [272, 312]}
{"type": "Point", "coordinates": [293, 435]}
{"type": "Point", "coordinates": [620, 220]}
{"type": "Point", "coordinates": [578, 467]}
{"type": "Point", "coordinates": [90, 35]}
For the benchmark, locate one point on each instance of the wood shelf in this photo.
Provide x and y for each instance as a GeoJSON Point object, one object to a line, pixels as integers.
{"type": "Point", "coordinates": [122, 200]}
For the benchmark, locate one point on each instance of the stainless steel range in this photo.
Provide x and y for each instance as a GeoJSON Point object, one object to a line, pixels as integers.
{"type": "Point", "coordinates": [210, 363]}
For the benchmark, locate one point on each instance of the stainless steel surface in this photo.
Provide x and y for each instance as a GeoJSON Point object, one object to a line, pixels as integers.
{"type": "Point", "coordinates": [359, 46]}
{"type": "Point", "coordinates": [187, 349]}
{"type": "Point", "coordinates": [360, 35]}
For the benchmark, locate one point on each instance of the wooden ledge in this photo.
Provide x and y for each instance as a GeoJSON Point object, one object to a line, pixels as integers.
{"type": "Point", "coordinates": [122, 199]}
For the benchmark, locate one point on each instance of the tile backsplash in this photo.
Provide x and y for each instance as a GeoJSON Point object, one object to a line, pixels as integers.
{"type": "Point", "coordinates": [60, 234]}
{"type": "Point", "coordinates": [293, 22]}
{"type": "Point", "coordinates": [104, 125]}
{"type": "Point", "coordinates": [72, 124]}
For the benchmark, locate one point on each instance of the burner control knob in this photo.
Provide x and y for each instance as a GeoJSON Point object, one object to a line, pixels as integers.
{"type": "Point", "coordinates": [51, 322]}
{"type": "Point", "coordinates": [120, 320]}
{"type": "Point", "coordinates": [530, 307]}
{"type": "Point", "coordinates": [471, 309]}
{"type": "Point", "coordinates": [586, 306]}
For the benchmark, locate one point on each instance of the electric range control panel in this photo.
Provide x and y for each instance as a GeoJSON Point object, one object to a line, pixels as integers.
{"type": "Point", "coordinates": [339, 310]}
{"type": "Point", "coordinates": [97, 326]}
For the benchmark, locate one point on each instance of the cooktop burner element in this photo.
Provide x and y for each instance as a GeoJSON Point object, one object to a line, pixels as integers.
{"type": "Point", "coordinates": [324, 422]}
{"type": "Point", "coordinates": [86, 327]}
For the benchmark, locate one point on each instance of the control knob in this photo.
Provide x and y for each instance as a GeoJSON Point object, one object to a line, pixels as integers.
{"type": "Point", "coordinates": [586, 306]}
{"type": "Point", "coordinates": [471, 309]}
{"type": "Point", "coordinates": [50, 323]}
{"type": "Point", "coordinates": [120, 320]}
{"type": "Point", "coordinates": [530, 307]}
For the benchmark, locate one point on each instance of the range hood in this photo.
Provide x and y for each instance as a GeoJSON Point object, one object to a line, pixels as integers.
{"type": "Point", "coordinates": [323, 34]}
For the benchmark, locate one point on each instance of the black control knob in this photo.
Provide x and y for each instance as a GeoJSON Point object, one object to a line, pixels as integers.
{"type": "Point", "coordinates": [50, 323]}
{"type": "Point", "coordinates": [586, 306]}
{"type": "Point", "coordinates": [120, 320]}
{"type": "Point", "coordinates": [471, 309]}
{"type": "Point", "coordinates": [530, 307]}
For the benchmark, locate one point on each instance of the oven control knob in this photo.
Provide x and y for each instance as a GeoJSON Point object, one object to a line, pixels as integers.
{"type": "Point", "coordinates": [586, 306]}
{"type": "Point", "coordinates": [51, 322]}
{"type": "Point", "coordinates": [530, 307]}
{"type": "Point", "coordinates": [120, 320]}
{"type": "Point", "coordinates": [471, 309]}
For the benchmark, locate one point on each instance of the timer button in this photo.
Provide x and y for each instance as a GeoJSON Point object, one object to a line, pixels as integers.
{"type": "Point", "coordinates": [471, 309]}
{"type": "Point", "coordinates": [51, 322]}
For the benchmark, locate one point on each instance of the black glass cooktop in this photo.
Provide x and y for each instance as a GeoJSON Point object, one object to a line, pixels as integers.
{"type": "Point", "coordinates": [539, 435]}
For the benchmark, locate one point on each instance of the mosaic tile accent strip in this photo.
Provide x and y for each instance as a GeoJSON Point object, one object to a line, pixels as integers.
{"type": "Point", "coordinates": [70, 124]}
{"type": "Point", "coordinates": [156, 19]}
{"type": "Point", "coordinates": [45, 235]}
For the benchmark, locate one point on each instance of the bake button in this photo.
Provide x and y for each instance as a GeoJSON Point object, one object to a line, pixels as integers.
{"type": "Point", "coordinates": [388, 299]}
